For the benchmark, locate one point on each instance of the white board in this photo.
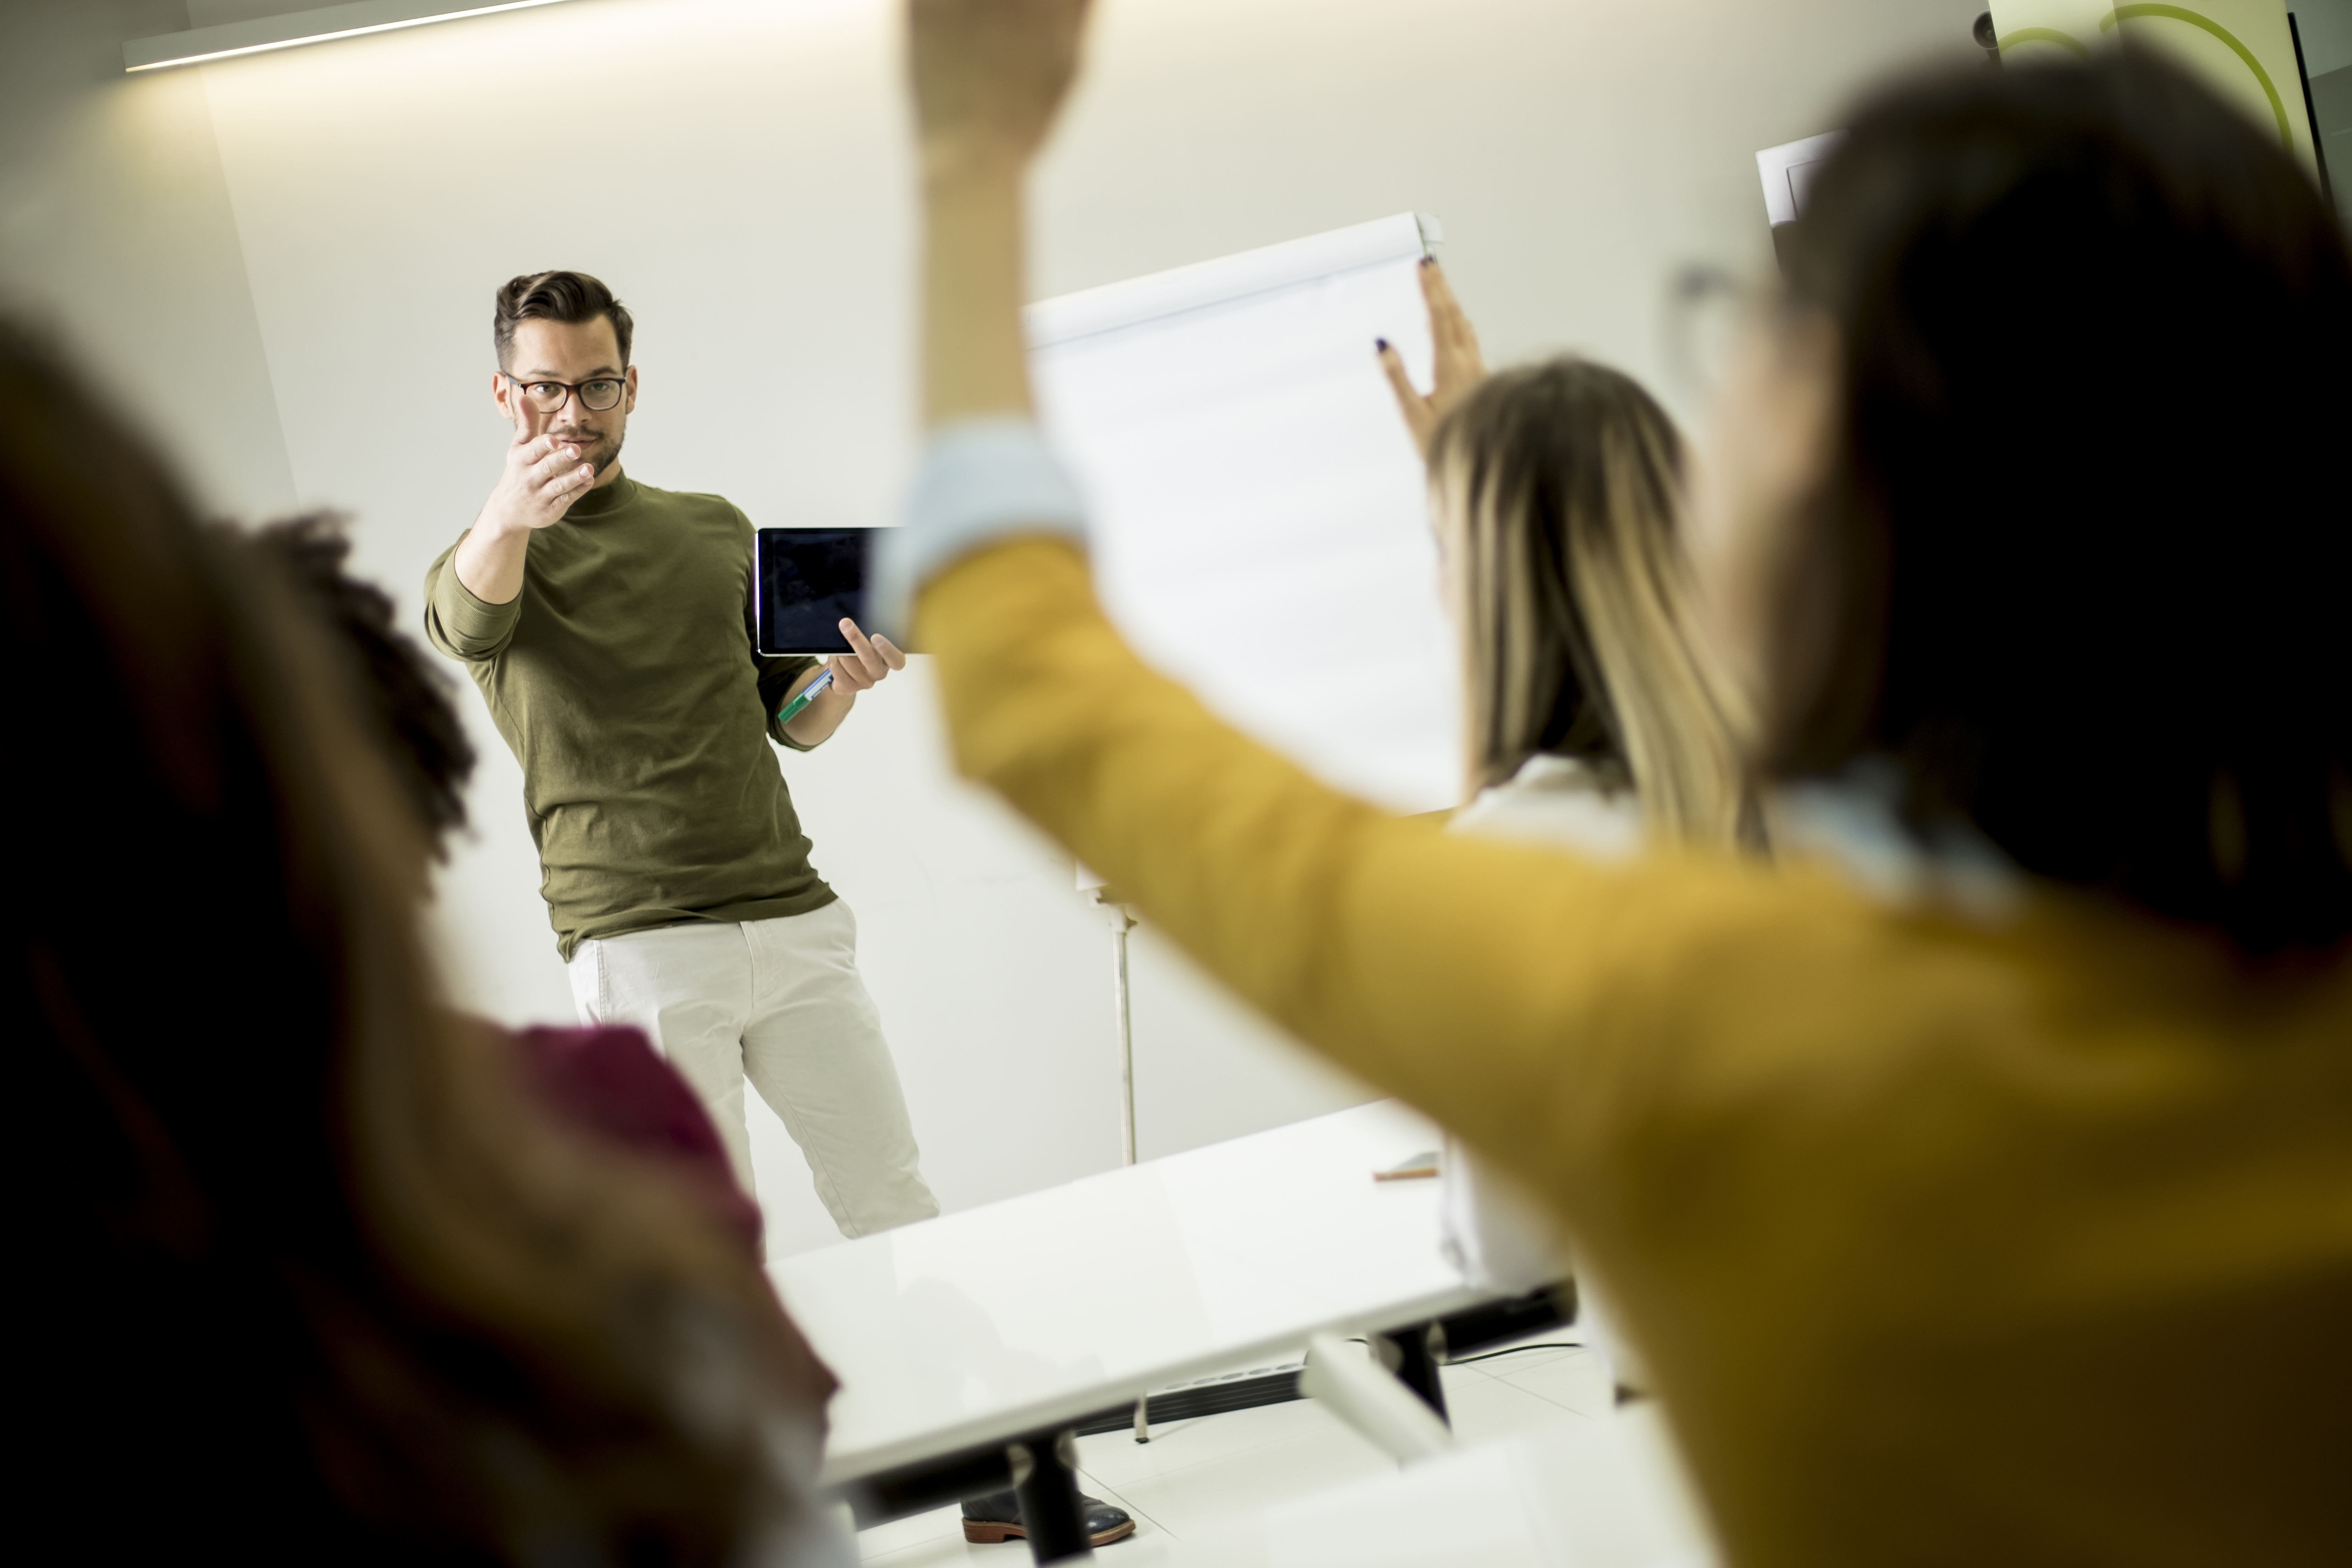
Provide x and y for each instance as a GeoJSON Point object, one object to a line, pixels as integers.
{"type": "Point", "coordinates": [1261, 527]}
{"type": "Point", "coordinates": [1787, 173]}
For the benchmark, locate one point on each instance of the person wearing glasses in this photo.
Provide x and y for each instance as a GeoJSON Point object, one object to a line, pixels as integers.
{"type": "Point", "coordinates": [609, 627]}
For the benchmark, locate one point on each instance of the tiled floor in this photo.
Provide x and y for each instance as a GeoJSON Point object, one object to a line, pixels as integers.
{"type": "Point", "coordinates": [1192, 1471]}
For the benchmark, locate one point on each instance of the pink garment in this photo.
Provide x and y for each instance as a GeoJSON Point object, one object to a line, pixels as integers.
{"type": "Point", "coordinates": [607, 1080]}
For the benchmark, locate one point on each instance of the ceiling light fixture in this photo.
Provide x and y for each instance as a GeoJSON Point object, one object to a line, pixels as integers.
{"type": "Point", "coordinates": [229, 39]}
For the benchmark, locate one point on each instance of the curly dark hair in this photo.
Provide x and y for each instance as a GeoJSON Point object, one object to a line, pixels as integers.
{"type": "Point", "coordinates": [408, 695]}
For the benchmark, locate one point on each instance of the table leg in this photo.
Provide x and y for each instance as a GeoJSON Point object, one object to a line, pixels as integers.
{"type": "Point", "coordinates": [1045, 1480]}
{"type": "Point", "coordinates": [1417, 1366]}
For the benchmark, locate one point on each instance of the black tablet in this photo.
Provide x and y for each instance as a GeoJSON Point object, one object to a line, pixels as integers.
{"type": "Point", "coordinates": [808, 579]}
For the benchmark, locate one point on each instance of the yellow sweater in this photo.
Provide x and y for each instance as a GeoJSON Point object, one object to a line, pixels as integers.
{"type": "Point", "coordinates": [1943, 1243]}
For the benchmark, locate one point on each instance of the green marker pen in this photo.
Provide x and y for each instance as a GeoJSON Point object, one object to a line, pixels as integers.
{"type": "Point", "coordinates": [792, 710]}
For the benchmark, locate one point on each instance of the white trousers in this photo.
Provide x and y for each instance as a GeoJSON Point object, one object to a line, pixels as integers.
{"type": "Point", "coordinates": [778, 1002]}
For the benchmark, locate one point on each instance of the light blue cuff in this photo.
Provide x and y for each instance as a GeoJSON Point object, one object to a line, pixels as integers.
{"type": "Point", "coordinates": [981, 481]}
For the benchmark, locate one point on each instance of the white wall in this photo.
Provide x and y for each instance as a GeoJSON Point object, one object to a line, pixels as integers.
{"type": "Point", "coordinates": [116, 237]}
{"type": "Point", "coordinates": [738, 170]}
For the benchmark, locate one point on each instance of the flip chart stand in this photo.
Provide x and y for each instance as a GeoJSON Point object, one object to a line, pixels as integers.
{"type": "Point", "coordinates": [1123, 1018]}
{"type": "Point", "coordinates": [1121, 922]}
{"type": "Point", "coordinates": [1122, 1004]}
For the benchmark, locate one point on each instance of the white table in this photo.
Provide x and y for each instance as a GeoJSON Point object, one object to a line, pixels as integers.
{"type": "Point", "coordinates": [1021, 1318]}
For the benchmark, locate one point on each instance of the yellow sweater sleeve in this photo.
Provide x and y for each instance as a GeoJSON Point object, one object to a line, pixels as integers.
{"type": "Point", "coordinates": [1502, 988]}
{"type": "Point", "coordinates": [1881, 1192]}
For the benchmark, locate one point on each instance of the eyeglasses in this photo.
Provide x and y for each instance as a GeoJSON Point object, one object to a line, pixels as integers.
{"type": "Point", "coordinates": [1711, 316]}
{"type": "Point", "coordinates": [550, 396]}
{"type": "Point", "coordinates": [1709, 312]}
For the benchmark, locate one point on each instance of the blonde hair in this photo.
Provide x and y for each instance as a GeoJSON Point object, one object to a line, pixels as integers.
{"type": "Point", "coordinates": [1558, 489]}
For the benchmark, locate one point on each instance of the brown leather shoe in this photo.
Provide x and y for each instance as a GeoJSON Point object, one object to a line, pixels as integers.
{"type": "Point", "coordinates": [997, 1517]}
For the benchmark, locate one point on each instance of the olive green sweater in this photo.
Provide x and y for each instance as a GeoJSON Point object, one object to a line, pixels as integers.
{"type": "Point", "coordinates": [626, 680]}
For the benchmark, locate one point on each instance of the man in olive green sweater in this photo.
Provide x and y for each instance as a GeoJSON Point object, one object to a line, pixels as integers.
{"type": "Point", "coordinates": [609, 627]}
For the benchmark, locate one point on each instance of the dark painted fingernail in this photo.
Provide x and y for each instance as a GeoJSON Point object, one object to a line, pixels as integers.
{"type": "Point", "coordinates": [1429, 261]}
{"type": "Point", "coordinates": [1382, 345]}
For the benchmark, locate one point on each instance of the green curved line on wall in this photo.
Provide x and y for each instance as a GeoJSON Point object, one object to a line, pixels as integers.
{"type": "Point", "coordinates": [2044, 36]}
{"type": "Point", "coordinates": [2178, 13]}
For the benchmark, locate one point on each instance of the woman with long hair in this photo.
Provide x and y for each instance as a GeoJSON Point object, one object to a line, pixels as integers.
{"type": "Point", "coordinates": [304, 1273]}
{"type": "Point", "coordinates": [1594, 718]}
{"type": "Point", "coordinates": [1914, 1166]}
{"type": "Point", "coordinates": [1559, 489]}
{"type": "Point", "coordinates": [1592, 714]}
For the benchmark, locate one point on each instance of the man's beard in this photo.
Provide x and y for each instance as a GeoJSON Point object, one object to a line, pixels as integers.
{"type": "Point", "coordinates": [600, 457]}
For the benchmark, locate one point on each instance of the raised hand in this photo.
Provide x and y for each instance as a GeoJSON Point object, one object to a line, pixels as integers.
{"type": "Point", "coordinates": [1459, 366]}
{"type": "Point", "coordinates": [989, 76]}
{"type": "Point", "coordinates": [542, 478]}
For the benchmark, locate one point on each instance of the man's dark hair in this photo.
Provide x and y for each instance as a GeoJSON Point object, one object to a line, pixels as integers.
{"type": "Point", "coordinates": [2080, 568]}
{"type": "Point", "coordinates": [570, 298]}
{"type": "Point", "coordinates": [406, 696]}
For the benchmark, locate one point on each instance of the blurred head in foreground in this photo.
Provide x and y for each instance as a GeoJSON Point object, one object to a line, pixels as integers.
{"type": "Point", "coordinates": [304, 1275]}
{"type": "Point", "coordinates": [1559, 496]}
{"type": "Point", "coordinates": [614, 1088]}
{"type": "Point", "coordinates": [2024, 486]}
{"type": "Point", "coordinates": [401, 690]}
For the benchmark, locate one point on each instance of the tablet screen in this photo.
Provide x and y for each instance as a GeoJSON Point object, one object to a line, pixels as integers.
{"type": "Point", "coordinates": [809, 579]}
